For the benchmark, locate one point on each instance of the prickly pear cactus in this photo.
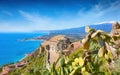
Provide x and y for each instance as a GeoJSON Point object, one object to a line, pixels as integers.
{"type": "Point", "coordinates": [93, 60]}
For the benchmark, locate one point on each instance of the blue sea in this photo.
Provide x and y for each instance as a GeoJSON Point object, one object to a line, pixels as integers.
{"type": "Point", "coordinates": [12, 50]}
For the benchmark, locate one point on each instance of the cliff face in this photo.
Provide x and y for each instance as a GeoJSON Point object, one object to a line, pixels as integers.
{"type": "Point", "coordinates": [48, 52]}
{"type": "Point", "coordinates": [54, 47]}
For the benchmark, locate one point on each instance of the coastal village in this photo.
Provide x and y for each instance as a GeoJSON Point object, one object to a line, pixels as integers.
{"type": "Point", "coordinates": [55, 46]}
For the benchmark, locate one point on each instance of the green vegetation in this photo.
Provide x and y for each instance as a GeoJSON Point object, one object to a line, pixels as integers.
{"type": "Point", "coordinates": [0, 69]}
{"type": "Point", "coordinates": [36, 63]}
{"type": "Point", "coordinates": [5, 65]}
{"type": "Point", "coordinates": [85, 61]}
{"type": "Point", "coordinates": [116, 70]}
{"type": "Point", "coordinates": [96, 57]}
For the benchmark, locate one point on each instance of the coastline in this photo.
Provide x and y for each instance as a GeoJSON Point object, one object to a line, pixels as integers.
{"type": "Point", "coordinates": [22, 58]}
{"type": "Point", "coordinates": [16, 50]}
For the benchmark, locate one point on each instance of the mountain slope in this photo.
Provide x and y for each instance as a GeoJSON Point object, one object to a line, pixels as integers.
{"type": "Point", "coordinates": [79, 33]}
{"type": "Point", "coordinates": [105, 27]}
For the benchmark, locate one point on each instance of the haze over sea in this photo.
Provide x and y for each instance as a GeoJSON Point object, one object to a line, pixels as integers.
{"type": "Point", "coordinates": [12, 50]}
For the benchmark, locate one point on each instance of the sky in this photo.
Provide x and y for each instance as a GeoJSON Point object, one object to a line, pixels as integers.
{"type": "Point", "coordinates": [37, 15]}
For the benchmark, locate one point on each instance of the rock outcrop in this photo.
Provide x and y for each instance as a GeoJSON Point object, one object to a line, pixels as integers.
{"type": "Point", "coordinates": [116, 31]}
{"type": "Point", "coordinates": [54, 46]}
{"type": "Point", "coordinates": [8, 68]}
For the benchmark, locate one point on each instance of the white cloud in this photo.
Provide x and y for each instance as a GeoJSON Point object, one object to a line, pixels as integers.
{"type": "Point", "coordinates": [47, 23]}
{"type": "Point", "coordinates": [111, 10]}
{"type": "Point", "coordinates": [7, 13]}
{"type": "Point", "coordinates": [35, 18]}
{"type": "Point", "coordinates": [99, 14]}
{"type": "Point", "coordinates": [36, 21]}
{"type": "Point", "coordinates": [12, 27]}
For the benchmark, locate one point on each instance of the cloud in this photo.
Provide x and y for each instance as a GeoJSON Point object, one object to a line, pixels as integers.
{"type": "Point", "coordinates": [112, 10]}
{"type": "Point", "coordinates": [12, 27]}
{"type": "Point", "coordinates": [39, 22]}
{"type": "Point", "coordinates": [34, 18]}
{"type": "Point", "coordinates": [47, 23]}
{"type": "Point", "coordinates": [98, 13]}
{"type": "Point", "coordinates": [7, 13]}
{"type": "Point", "coordinates": [101, 13]}
{"type": "Point", "coordinates": [33, 21]}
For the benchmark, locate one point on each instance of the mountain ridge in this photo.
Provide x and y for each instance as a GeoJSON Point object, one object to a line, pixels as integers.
{"type": "Point", "coordinates": [81, 29]}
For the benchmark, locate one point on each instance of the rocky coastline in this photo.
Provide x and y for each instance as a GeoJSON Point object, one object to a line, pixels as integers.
{"type": "Point", "coordinates": [54, 46]}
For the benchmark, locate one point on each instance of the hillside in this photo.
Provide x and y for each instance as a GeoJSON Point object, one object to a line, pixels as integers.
{"type": "Point", "coordinates": [75, 33]}
{"type": "Point", "coordinates": [79, 33]}
{"type": "Point", "coordinates": [97, 53]}
{"type": "Point", "coordinates": [81, 30]}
